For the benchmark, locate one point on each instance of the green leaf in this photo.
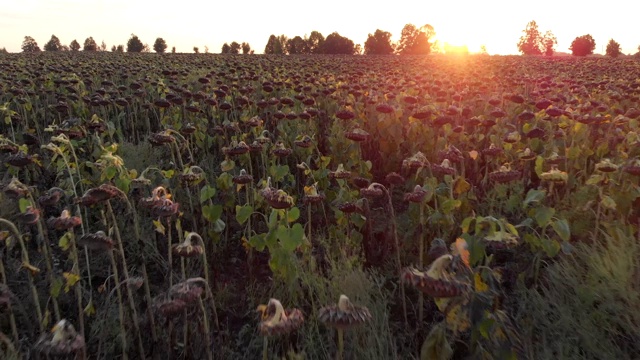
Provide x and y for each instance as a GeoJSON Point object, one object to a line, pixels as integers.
{"type": "Point", "coordinates": [595, 179]}
{"type": "Point", "coordinates": [219, 226]}
{"type": "Point", "coordinates": [257, 241]}
{"type": "Point", "coordinates": [291, 238]}
{"type": "Point", "coordinates": [206, 193]}
{"type": "Point", "coordinates": [90, 309]}
{"type": "Point", "coordinates": [24, 203]}
{"type": "Point", "coordinates": [243, 213]}
{"type": "Point", "coordinates": [212, 212]}
{"type": "Point", "coordinates": [56, 287]}
{"type": "Point", "coordinates": [608, 202]}
{"type": "Point", "coordinates": [449, 205]}
{"type": "Point", "coordinates": [65, 241]}
{"type": "Point", "coordinates": [561, 227]}
{"type": "Point", "coordinates": [123, 183]}
{"type": "Point", "coordinates": [466, 224]}
{"type": "Point", "coordinates": [533, 196]}
{"type": "Point", "coordinates": [550, 247]}
{"type": "Point", "coordinates": [293, 214]}
{"type": "Point", "coordinates": [543, 215]}
{"type": "Point", "coordinates": [538, 166]}
{"type": "Point", "coordinates": [279, 171]}
{"type": "Point", "coordinates": [227, 165]}
{"type": "Point", "coordinates": [109, 173]}
{"type": "Point", "coordinates": [436, 346]}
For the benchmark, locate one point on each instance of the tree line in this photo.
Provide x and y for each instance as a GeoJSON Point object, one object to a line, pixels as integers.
{"type": "Point", "coordinates": [413, 41]}
{"type": "Point", "coordinates": [533, 42]}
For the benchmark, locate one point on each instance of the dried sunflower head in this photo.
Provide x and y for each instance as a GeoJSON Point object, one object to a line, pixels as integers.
{"type": "Point", "coordinates": [187, 248]}
{"type": "Point", "coordinates": [275, 320]}
{"type": "Point", "coordinates": [344, 315]}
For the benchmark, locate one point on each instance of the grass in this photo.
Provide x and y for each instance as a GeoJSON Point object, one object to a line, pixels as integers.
{"type": "Point", "coordinates": [588, 305]}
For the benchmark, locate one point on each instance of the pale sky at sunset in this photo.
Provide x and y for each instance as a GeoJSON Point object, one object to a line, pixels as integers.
{"type": "Point", "coordinates": [188, 23]}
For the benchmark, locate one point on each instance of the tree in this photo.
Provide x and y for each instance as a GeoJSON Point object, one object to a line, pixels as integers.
{"type": "Point", "coordinates": [378, 43]}
{"type": "Point", "coordinates": [234, 48]}
{"type": "Point", "coordinates": [337, 44]}
{"type": "Point", "coordinates": [74, 46]}
{"type": "Point", "coordinates": [196, 49]}
{"type": "Point", "coordinates": [173, 50]}
{"type": "Point", "coordinates": [613, 48]}
{"type": "Point", "coordinates": [246, 48]}
{"type": "Point", "coordinates": [90, 44]}
{"type": "Point", "coordinates": [583, 45]}
{"type": "Point", "coordinates": [296, 45]}
{"type": "Point", "coordinates": [531, 41]}
{"type": "Point", "coordinates": [160, 45]}
{"type": "Point", "coordinates": [415, 41]}
{"type": "Point", "coordinates": [53, 44]}
{"type": "Point", "coordinates": [4, 51]}
{"type": "Point", "coordinates": [206, 49]}
{"type": "Point", "coordinates": [120, 48]}
{"type": "Point", "coordinates": [549, 42]}
{"type": "Point", "coordinates": [314, 42]}
{"type": "Point", "coordinates": [275, 45]}
{"type": "Point", "coordinates": [103, 46]}
{"type": "Point", "coordinates": [113, 48]}
{"type": "Point", "coordinates": [134, 44]}
{"type": "Point", "coordinates": [29, 45]}
{"type": "Point", "coordinates": [225, 49]}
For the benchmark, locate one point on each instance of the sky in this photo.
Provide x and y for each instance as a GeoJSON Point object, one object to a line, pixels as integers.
{"type": "Point", "coordinates": [496, 24]}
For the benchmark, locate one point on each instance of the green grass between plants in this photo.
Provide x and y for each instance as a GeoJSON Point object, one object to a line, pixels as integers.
{"type": "Point", "coordinates": [588, 305]}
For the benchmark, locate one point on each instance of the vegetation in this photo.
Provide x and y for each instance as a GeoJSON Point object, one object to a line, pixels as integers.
{"type": "Point", "coordinates": [29, 45]}
{"type": "Point", "coordinates": [53, 45]}
{"type": "Point", "coordinates": [379, 43]}
{"type": "Point", "coordinates": [583, 45]}
{"type": "Point", "coordinates": [532, 42]}
{"type": "Point", "coordinates": [415, 41]}
{"type": "Point", "coordinates": [160, 46]}
{"type": "Point", "coordinates": [90, 44]}
{"type": "Point", "coordinates": [134, 45]}
{"type": "Point", "coordinates": [613, 49]}
{"type": "Point", "coordinates": [367, 207]}
{"type": "Point", "coordinates": [74, 46]}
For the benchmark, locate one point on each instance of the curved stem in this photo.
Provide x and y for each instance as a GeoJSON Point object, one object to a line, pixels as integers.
{"type": "Point", "coordinates": [125, 270]}
{"type": "Point", "coordinates": [25, 260]}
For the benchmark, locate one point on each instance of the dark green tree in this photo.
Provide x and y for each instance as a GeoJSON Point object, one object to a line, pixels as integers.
{"type": "Point", "coordinates": [29, 44]}
{"type": "Point", "coordinates": [225, 49]}
{"type": "Point", "coordinates": [246, 48]}
{"type": "Point", "coordinates": [53, 45]}
{"type": "Point", "coordinates": [160, 45]}
{"type": "Point", "coordinates": [583, 45]}
{"type": "Point", "coordinates": [120, 48]}
{"type": "Point", "coordinates": [234, 48]}
{"type": "Point", "coordinates": [378, 43]}
{"type": "Point", "coordinates": [415, 41]}
{"type": "Point", "coordinates": [314, 42]}
{"type": "Point", "coordinates": [74, 46]}
{"type": "Point", "coordinates": [613, 49]}
{"type": "Point", "coordinates": [134, 44]}
{"type": "Point", "coordinates": [90, 44]}
{"type": "Point", "coordinates": [297, 45]}
{"type": "Point", "coordinates": [275, 45]}
{"type": "Point", "coordinates": [337, 44]}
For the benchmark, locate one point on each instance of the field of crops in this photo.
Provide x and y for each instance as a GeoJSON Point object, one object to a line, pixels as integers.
{"type": "Point", "coordinates": [378, 207]}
